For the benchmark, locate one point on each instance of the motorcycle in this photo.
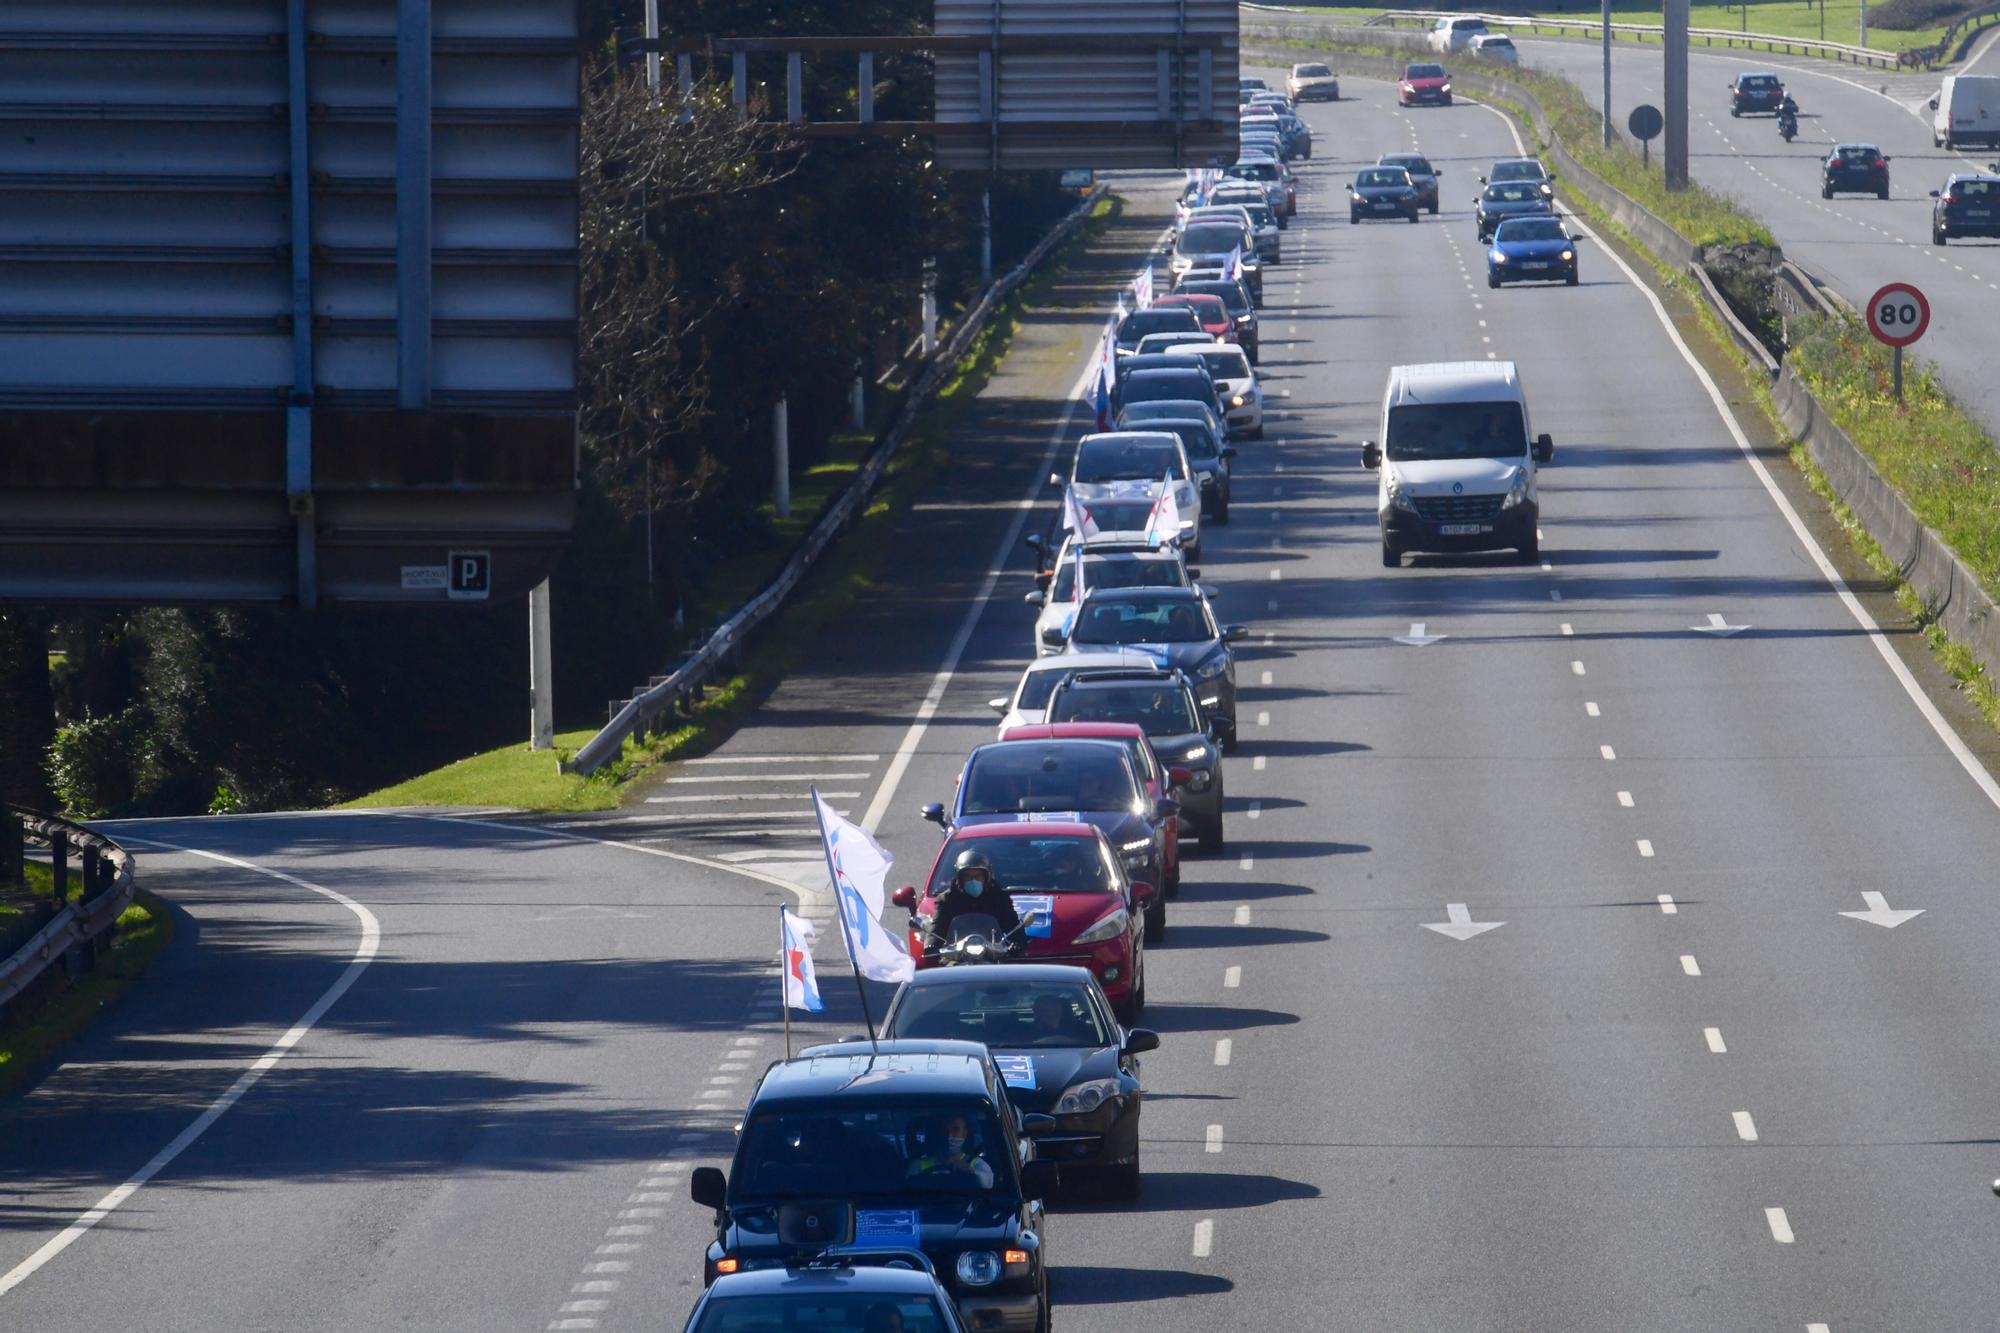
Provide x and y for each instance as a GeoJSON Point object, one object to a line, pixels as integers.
{"type": "Point", "coordinates": [1788, 124]}
{"type": "Point", "coordinates": [976, 938]}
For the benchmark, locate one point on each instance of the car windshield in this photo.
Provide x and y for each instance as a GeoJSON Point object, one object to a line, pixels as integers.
{"type": "Point", "coordinates": [1382, 176]}
{"type": "Point", "coordinates": [1234, 299]}
{"type": "Point", "coordinates": [1514, 193]}
{"type": "Point", "coordinates": [1196, 439]}
{"type": "Point", "coordinates": [1115, 571]}
{"type": "Point", "coordinates": [1210, 238]}
{"type": "Point", "coordinates": [1416, 166]}
{"type": "Point", "coordinates": [1145, 385]}
{"type": "Point", "coordinates": [1859, 153]}
{"type": "Point", "coordinates": [1162, 409]}
{"type": "Point", "coordinates": [1974, 189]}
{"type": "Point", "coordinates": [1061, 863]}
{"type": "Point", "coordinates": [1225, 361]}
{"type": "Point", "coordinates": [1115, 459]}
{"type": "Point", "coordinates": [1117, 515]}
{"type": "Point", "coordinates": [867, 1150]}
{"type": "Point", "coordinates": [1313, 72]}
{"type": "Point", "coordinates": [1496, 43]}
{"type": "Point", "coordinates": [1143, 620]}
{"type": "Point", "coordinates": [1456, 430]}
{"type": "Point", "coordinates": [1167, 319]}
{"type": "Point", "coordinates": [1208, 308]}
{"type": "Point", "coordinates": [833, 1311]}
{"type": "Point", "coordinates": [1516, 171]}
{"type": "Point", "coordinates": [1531, 229]}
{"type": "Point", "coordinates": [1163, 709]}
{"type": "Point", "coordinates": [1029, 778]}
{"type": "Point", "coordinates": [1005, 1015]}
{"type": "Point", "coordinates": [1254, 171]}
{"type": "Point", "coordinates": [1424, 72]}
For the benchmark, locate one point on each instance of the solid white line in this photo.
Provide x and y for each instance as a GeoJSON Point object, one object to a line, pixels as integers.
{"type": "Point", "coordinates": [364, 953]}
{"type": "Point", "coordinates": [1607, 752]}
{"type": "Point", "coordinates": [706, 778]}
{"type": "Point", "coordinates": [1242, 917]}
{"type": "Point", "coordinates": [1213, 1139]}
{"type": "Point", "coordinates": [1689, 965]}
{"type": "Point", "coordinates": [1625, 799]}
{"type": "Point", "coordinates": [783, 759]}
{"type": "Point", "coordinates": [1223, 1047]}
{"type": "Point", "coordinates": [1781, 1228]}
{"type": "Point", "coordinates": [750, 796]}
{"type": "Point", "coordinates": [1746, 1128]}
{"type": "Point", "coordinates": [1232, 977]}
{"type": "Point", "coordinates": [1714, 1038]}
{"type": "Point", "coordinates": [1204, 1237]}
{"type": "Point", "coordinates": [1952, 741]}
{"type": "Point", "coordinates": [1645, 847]}
{"type": "Point", "coordinates": [1667, 905]}
{"type": "Point", "coordinates": [1591, 710]}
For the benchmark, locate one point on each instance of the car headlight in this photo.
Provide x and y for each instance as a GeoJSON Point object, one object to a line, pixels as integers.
{"type": "Point", "coordinates": [1445, 89]}
{"type": "Point", "coordinates": [1108, 928]}
{"type": "Point", "coordinates": [1518, 494]}
{"type": "Point", "coordinates": [1081, 1098]}
{"type": "Point", "coordinates": [1568, 255]}
{"type": "Point", "coordinates": [1136, 845]}
{"type": "Point", "coordinates": [1187, 524]}
{"type": "Point", "coordinates": [979, 1268]}
{"type": "Point", "coordinates": [1198, 752]}
{"type": "Point", "coordinates": [1199, 779]}
{"type": "Point", "coordinates": [1212, 666]}
{"type": "Point", "coordinates": [1237, 401]}
{"type": "Point", "coordinates": [1499, 257]}
{"type": "Point", "coordinates": [1399, 498]}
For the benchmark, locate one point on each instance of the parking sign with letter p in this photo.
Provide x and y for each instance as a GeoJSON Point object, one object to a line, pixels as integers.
{"type": "Point", "coordinates": [469, 575]}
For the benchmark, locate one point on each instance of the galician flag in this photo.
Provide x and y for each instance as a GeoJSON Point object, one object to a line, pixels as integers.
{"type": "Point", "coordinates": [801, 984]}
{"type": "Point", "coordinates": [1142, 288]}
{"type": "Point", "coordinates": [1232, 268]}
{"type": "Point", "coordinates": [1163, 524]}
{"type": "Point", "coordinates": [859, 866]}
{"type": "Point", "coordinates": [1076, 518]}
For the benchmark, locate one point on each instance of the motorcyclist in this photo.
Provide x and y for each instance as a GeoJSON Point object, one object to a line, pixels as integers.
{"type": "Point", "coordinates": [1788, 116]}
{"type": "Point", "coordinates": [974, 891]}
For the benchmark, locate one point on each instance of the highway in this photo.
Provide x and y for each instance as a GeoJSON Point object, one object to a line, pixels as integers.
{"type": "Point", "coordinates": [1672, 1087]}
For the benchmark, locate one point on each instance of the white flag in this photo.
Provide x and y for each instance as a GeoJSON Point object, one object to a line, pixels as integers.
{"type": "Point", "coordinates": [1142, 288]}
{"type": "Point", "coordinates": [1076, 518]}
{"type": "Point", "coordinates": [860, 868]}
{"type": "Point", "coordinates": [801, 984]}
{"type": "Point", "coordinates": [1164, 523]}
{"type": "Point", "coordinates": [1232, 268]}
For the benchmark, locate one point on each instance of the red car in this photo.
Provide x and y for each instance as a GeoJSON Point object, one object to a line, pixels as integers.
{"type": "Point", "coordinates": [1159, 779]}
{"type": "Point", "coordinates": [1086, 913]}
{"type": "Point", "coordinates": [1424, 85]}
{"type": "Point", "coordinates": [1210, 310]}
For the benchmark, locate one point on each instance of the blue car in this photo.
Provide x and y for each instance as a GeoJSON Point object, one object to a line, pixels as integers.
{"type": "Point", "coordinates": [1531, 250]}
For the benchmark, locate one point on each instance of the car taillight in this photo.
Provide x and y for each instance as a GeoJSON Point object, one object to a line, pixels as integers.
{"type": "Point", "coordinates": [1949, 200]}
{"type": "Point", "coordinates": [1881, 162]}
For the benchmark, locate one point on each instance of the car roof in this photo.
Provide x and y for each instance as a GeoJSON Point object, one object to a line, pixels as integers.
{"type": "Point", "coordinates": [814, 1280]}
{"type": "Point", "coordinates": [1451, 381]}
{"type": "Point", "coordinates": [978, 976]}
{"type": "Point", "coordinates": [1031, 828]}
{"type": "Point", "coordinates": [1122, 657]}
{"type": "Point", "coordinates": [1134, 436]}
{"type": "Point", "coordinates": [1052, 731]}
{"type": "Point", "coordinates": [1178, 421]}
{"type": "Point", "coordinates": [1869, 146]}
{"type": "Point", "coordinates": [1125, 594]}
{"type": "Point", "coordinates": [895, 1071]}
{"type": "Point", "coordinates": [1398, 159]}
{"type": "Point", "coordinates": [1160, 372]}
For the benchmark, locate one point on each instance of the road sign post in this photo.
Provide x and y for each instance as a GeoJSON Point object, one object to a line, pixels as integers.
{"type": "Point", "coordinates": [1898, 314]}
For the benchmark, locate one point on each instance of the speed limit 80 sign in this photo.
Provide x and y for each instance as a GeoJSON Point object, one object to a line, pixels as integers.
{"type": "Point", "coordinates": [1898, 314]}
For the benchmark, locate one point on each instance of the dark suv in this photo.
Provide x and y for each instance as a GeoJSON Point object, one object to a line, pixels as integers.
{"type": "Point", "coordinates": [1966, 206]}
{"type": "Point", "coordinates": [1163, 702]}
{"type": "Point", "coordinates": [845, 1145]}
{"type": "Point", "coordinates": [1755, 92]}
{"type": "Point", "coordinates": [1854, 168]}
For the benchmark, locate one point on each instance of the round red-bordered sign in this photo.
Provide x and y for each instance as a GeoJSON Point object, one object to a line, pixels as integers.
{"type": "Point", "coordinates": [1898, 314]}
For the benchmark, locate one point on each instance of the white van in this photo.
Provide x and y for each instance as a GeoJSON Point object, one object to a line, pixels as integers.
{"type": "Point", "coordinates": [1966, 111]}
{"type": "Point", "coordinates": [1449, 34]}
{"type": "Point", "coordinates": [1458, 461]}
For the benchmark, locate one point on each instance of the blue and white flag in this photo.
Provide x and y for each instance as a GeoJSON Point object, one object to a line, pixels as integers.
{"type": "Point", "coordinates": [1163, 524]}
{"type": "Point", "coordinates": [1142, 288]}
{"type": "Point", "coordinates": [801, 983]}
{"type": "Point", "coordinates": [860, 867]}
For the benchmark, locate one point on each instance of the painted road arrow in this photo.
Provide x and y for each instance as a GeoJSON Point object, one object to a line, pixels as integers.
{"type": "Point", "coordinates": [1416, 638]}
{"type": "Point", "coordinates": [1461, 927]}
{"type": "Point", "coordinates": [1879, 912]}
{"type": "Point", "coordinates": [1719, 627]}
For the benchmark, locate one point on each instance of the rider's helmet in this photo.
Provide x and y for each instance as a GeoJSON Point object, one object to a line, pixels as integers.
{"type": "Point", "coordinates": [972, 872]}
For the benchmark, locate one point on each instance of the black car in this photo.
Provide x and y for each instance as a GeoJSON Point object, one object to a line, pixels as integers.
{"type": "Point", "coordinates": [1186, 380]}
{"type": "Point", "coordinates": [1209, 457]}
{"type": "Point", "coordinates": [1508, 199]}
{"type": "Point", "coordinates": [1854, 168]}
{"type": "Point", "coordinates": [1422, 175]}
{"type": "Point", "coordinates": [1060, 1050]}
{"type": "Point", "coordinates": [1966, 206]}
{"type": "Point", "coordinates": [1143, 361]}
{"type": "Point", "coordinates": [1166, 319]}
{"type": "Point", "coordinates": [1163, 703]}
{"type": "Point", "coordinates": [1236, 300]}
{"type": "Point", "coordinates": [845, 1145]}
{"type": "Point", "coordinates": [1177, 628]}
{"type": "Point", "coordinates": [844, 1283]}
{"type": "Point", "coordinates": [1380, 192]}
{"type": "Point", "coordinates": [1757, 92]}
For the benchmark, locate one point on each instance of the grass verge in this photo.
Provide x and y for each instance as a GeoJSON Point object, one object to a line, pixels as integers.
{"type": "Point", "coordinates": [518, 778]}
{"type": "Point", "coordinates": [143, 930]}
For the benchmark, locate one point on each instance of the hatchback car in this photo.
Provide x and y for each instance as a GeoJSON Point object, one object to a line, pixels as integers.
{"type": "Point", "coordinates": [1313, 83]}
{"type": "Point", "coordinates": [1520, 169]}
{"type": "Point", "coordinates": [1039, 680]}
{"type": "Point", "coordinates": [1966, 206]}
{"type": "Point", "coordinates": [1531, 250]}
{"type": "Point", "coordinates": [1235, 298]}
{"type": "Point", "coordinates": [1209, 457]}
{"type": "Point", "coordinates": [1854, 168]}
{"type": "Point", "coordinates": [1162, 701]}
{"type": "Point", "coordinates": [1424, 85]}
{"type": "Point", "coordinates": [1382, 192]}
{"type": "Point", "coordinates": [1236, 387]}
{"type": "Point", "coordinates": [1450, 34]}
{"type": "Point", "coordinates": [1218, 242]}
{"type": "Point", "coordinates": [1154, 319]}
{"type": "Point", "coordinates": [1177, 628]}
{"type": "Point", "coordinates": [1099, 562]}
{"type": "Point", "coordinates": [1496, 47]}
{"type": "Point", "coordinates": [1159, 778]}
{"type": "Point", "coordinates": [831, 1291]}
{"type": "Point", "coordinates": [1216, 321]}
{"type": "Point", "coordinates": [1278, 185]}
{"type": "Point", "coordinates": [1422, 175]}
{"type": "Point", "coordinates": [1511, 199]}
{"type": "Point", "coordinates": [1755, 92]}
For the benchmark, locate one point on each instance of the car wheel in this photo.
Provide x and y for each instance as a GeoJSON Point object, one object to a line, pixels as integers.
{"type": "Point", "coordinates": [1572, 278]}
{"type": "Point", "coordinates": [1413, 215]}
{"type": "Point", "coordinates": [1042, 1315]}
{"type": "Point", "coordinates": [1222, 514]}
{"type": "Point", "coordinates": [1434, 208]}
{"type": "Point", "coordinates": [1353, 219]}
{"type": "Point", "coordinates": [1733, 111]}
{"type": "Point", "coordinates": [1156, 919]}
{"type": "Point", "coordinates": [1391, 557]}
{"type": "Point", "coordinates": [1229, 740]}
{"type": "Point", "coordinates": [1122, 1182]}
{"type": "Point", "coordinates": [1826, 192]}
{"type": "Point", "coordinates": [1210, 837]}
{"type": "Point", "coordinates": [1531, 549]}
{"type": "Point", "coordinates": [1882, 193]}
{"type": "Point", "coordinates": [1258, 433]}
{"type": "Point", "coordinates": [1937, 237]}
{"type": "Point", "coordinates": [1493, 281]}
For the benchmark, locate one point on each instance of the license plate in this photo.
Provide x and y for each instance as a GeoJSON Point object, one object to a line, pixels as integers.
{"type": "Point", "coordinates": [1463, 529]}
{"type": "Point", "coordinates": [1536, 263]}
{"type": "Point", "coordinates": [1978, 214]}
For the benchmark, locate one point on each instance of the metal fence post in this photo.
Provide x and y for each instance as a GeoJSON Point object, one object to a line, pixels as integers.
{"type": "Point", "coordinates": [59, 859]}
{"type": "Point", "coordinates": [13, 856]}
{"type": "Point", "coordinates": [781, 457]}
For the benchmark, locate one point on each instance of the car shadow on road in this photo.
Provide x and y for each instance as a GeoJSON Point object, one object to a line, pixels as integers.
{"type": "Point", "coordinates": [1071, 1285]}
{"type": "Point", "coordinates": [1203, 1191]}
{"type": "Point", "coordinates": [1239, 937]}
{"type": "Point", "coordinates": [1168, 1019]}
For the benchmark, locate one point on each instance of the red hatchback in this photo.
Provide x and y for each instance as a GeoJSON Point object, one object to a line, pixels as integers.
{"type": "Point", "coordinates": [1424, 85]}
{"type": "Point", "coordinates": [1159, 779]}
{"type": "Point", "coordinates": [1210, 310]}
{"type": "Point", "coordinates": [1086, 913]}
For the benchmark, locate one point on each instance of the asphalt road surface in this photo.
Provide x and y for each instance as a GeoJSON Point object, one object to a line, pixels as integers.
{"type": "Point", "coordinates": [1672, 1087]}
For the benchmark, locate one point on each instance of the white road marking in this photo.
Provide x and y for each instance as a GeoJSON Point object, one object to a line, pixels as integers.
{"type": "Point", "coordinates": [1212, 1140]}
{"type": "Point", "coordinates": [783, 759]}
{"type": "Point", "coordinates": [1818, 1328]}
{"type": "Point", "coordinates": [1625, 799]}
{"type": "Point", "coordinates": [1689, 965]}
{"type": "Point", "coordinates": [1277, 574]}
{"type": "Point", "coordinates": [1567, 629]}
{"type": "Point", "coordinates": [364, 954]}
{"type": "Point", "coordinates": [1746, 1128]}
{"type": "Point", "coordinates": [1263, 719]}
{"type": "Point", "coordinates": [1232, 977]}
{"type": "Point", "coordinates": [609, 1266]}
{"type": "Point", "coordinates": [1781, 1227]}
{"type": "Point", "coordinates": [590, 1288]}
{"type": "Point", "coordinates": [573, 1323]}
{"type": "Point", "coordinates": [1645, 847]}
{"type": "Point", "coordinates": [707, 797]}
{"type": "Point", "coordinates": [1223, 1049]}
{"type": "Point", "coordinates": [1590, 709]}
{"type": "Point", "coordinates": [1576, 668]}
{"type": "Point", "coordinates": [1607, 752]}
{"type": "Point", "coordinates": [1255, 810]}
{"type": "Point", "coordinates": [1667, 906]}
{"type": "Point", "coordinates": [1714, 1039]}
{"type": "Point", "coordinates": [1242, 917]}
{"type": "Point", "coordinates": [1267, 681]}
{"type": "Point", "coordinates": [1204, 1237]}
{"type": "Point", "coordinates": [707, 778]}
{"type": "Point", "coordinates": [1257, 764]}
{"type": "Point", "coordinates": [1248, 862]}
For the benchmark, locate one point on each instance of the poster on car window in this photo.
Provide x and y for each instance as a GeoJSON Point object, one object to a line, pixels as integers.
{"type": "Point", "coordinates": [1038, 914]}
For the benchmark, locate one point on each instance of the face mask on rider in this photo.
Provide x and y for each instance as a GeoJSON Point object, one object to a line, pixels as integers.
{"type": "Point", "coordinates": [975, 887]}
{"type": "Point", "coordinates": [955, 1142]}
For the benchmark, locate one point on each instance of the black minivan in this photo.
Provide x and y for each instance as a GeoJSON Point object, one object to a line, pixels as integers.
{"type": "Point", "coordinates": [906, 1144]}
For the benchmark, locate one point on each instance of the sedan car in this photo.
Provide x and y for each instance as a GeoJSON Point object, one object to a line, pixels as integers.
{"type": "Point", "coordinates": [831, 1287]}
{"type": "Point", "coordinates": [1422, 175]}
{"type": "Point", "coordinates": [1060, 1050]}
{"type": "Point", "coordinates": [1382, 192]}
{"type": "Point", "coordinates": [1154, 319]}
{"type": "Point", "coordinates": [1177, 628]}
{"type": "Point", "coordinates": [1755, 92]}
{"type": "Point", "coordinates": [1218, 242]}
{"type": "Point", "coordinates": [1531, 250]}
{"type": "Point", "coordinates": [1139, 416]}
{"type": "Point", "coordinates": [1313, 83]}
{"type": "Point", "coordinates": [1216, 321]}
{"type": "Point", "coordinates": [1512, 199]}
{"type": "Point", "coordinates": [1424, 85]}
{"type": "Point", "coordinates": [1266, 235]}
{"type": "Point", "coordinates": [1031, 693]}
{"type": "Point", "coordinates": [1113, 561]}
{"type": "Point", "coordinates": [1159, 779]}
{"type": "Point", "coordinates": [1162, 701]}
{"type": "Point", "coordinates": [1967, 206]}
{"type": "Point", "coordinates": [1236, 387]}
{"type": "Point", "coordinates": [1065, 876]}
{"type": "Point", "coordinates": [1520, 169]}
{"type": "Point", "coordinates": [1854, 168]}
{"type": "Point", "coordinates": [1279, 187]}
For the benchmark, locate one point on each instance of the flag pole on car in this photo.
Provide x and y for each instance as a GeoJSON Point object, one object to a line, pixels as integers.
{"type": "Point", "coordinates": [857, 865]}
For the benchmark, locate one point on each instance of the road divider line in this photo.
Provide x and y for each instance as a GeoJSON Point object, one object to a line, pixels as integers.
{"type": "Point", "coordinates": [1646, 848]}
{"type": "Point", "coordinates": [1212, 1141]}
{"type": "Point", "coordinates": [1576, 669]}
{"type": "Point", "coordinates": [1714, 1038]}
{"type": "Point", "coordinates": [1607, 752]}
{"type": "Point", "coordinates": [1242, 916]}
{"type": "Point", "coordinates": [1232, 977]}
{"type": "Point", "coordinates": [1625, 799]}
{"type": "Point", "coordinates": [1204, 1237]}
{"type": "Point", "coordinates": [1746, 1128]}
{"type": "Point", "coordinates": [1590, 709]}
{"type": "Point", "coordinates": [1224, 1047]}
{"type": "Point", "coordinates": [1667, 905]}
{"type": "Point", "coordinates": [1689, 965]}
{"type": "Point", "coordinates": [1781, 1226]}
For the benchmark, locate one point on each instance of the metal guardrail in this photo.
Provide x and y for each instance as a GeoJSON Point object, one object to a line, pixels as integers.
{"type": "Point", "coordinates": [109, 882]}
{"type": "Point", "coordinates": [1957, 38]}
{"type": "Point", "coordinates": [671, 696]}
{"type": "Point", "coordinates": [1589, 27]}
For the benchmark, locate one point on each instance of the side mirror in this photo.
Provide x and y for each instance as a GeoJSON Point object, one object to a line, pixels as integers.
{"type": "Point", "coordinates": [1887, 158]}
{"type": "Point", "coordinates": [707, 1186]}
{"type": "Point", "coordinates": [1140, 1040]}
{"type": "Point", "coordinates": [998, 705]}
{"type": "Point", "coordinates": [1482, 180]}
{"type": "Point", "coordinates": [1934, 194]}
{"type": "Point", "coordinates": [1179, 777]}
{"type": "Point", "coordinates": [1035, 598]}
{"type": "Point", "coordinates": [905, 897]}
{"type": "Point", "coordinates": [1576, 239]}
{"type": "Point", "coordinates": [1371, 454]}
{"type": "Point", "coordinates": [1033, 541]}
{"type": "Point", "coordinates": [1053, 637]}
{"type": "Point", "coordinates": [1142, 892]}
{"type": "Point", "coordinates": [1055, 478]}
{"type": "Point", "coordinates": [934, 813]}
{"type": "Point", "coordinates": [1228, 451]}
{"type": "Point", "coordinates": [1545, 449]}
{"type": "Point", "coordinates": [1039, 1178]}
{"type": "Point", "coordinates": [1235, 633]}
{"type": "Point", "coordinates": [1934, 103]}
{"type": "Point", "coordinates": [1166, 807]}
{"type": "Point", "coordinates": [1033, 1122]}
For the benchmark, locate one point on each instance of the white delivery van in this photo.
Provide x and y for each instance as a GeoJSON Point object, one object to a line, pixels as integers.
{"type": "Point", "coordinates": [1966, 112]}
{"type": "Point", "coordinates": [1457, 460]}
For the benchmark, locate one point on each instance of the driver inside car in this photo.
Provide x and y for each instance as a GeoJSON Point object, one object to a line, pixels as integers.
{"type": "Point", "coordinates": [950, 1150]}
